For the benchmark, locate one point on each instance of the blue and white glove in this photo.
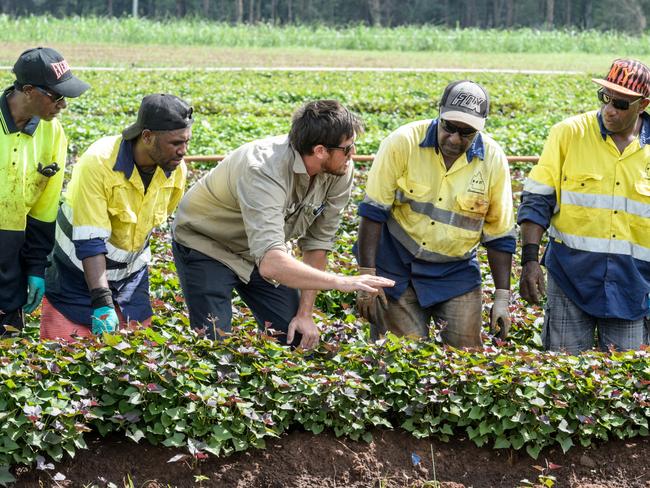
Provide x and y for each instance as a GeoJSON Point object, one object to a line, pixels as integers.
{"type": "Point", "coordinates": [104, 320]}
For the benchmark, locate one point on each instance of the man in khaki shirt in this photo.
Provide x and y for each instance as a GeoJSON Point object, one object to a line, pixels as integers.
{"type": "Point", "coordinates": [232, 226]}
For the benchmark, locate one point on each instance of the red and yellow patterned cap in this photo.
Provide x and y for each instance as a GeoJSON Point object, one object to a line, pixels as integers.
{"type": "Point", "coordinates": [627, 76]}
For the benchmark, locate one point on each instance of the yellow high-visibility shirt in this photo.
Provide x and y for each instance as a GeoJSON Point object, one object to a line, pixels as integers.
{"type": "Point", "coordinates": [106, 199]}
{"type": "Point", "coordinates": [441, 215]}
{"type": "Point", "coordinates": [24, 190]}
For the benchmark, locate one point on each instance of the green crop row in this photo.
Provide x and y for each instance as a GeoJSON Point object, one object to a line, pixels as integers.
{"type": "Point", "coordinates": [170, 387]}
{"type": "Point", "coordinates": [357, 37]}
{"type": "Point", "coordinates": [236, 107]}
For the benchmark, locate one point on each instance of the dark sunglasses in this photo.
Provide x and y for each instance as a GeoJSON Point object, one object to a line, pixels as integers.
{"type": "Point", "coordinates": [617, 103]}
{"type": "Point", "coordinates": [55, 97]}
{"type": "Point", "coordinates": [346, 149]}
{"type": "Point", "coordinates": [452, 129]}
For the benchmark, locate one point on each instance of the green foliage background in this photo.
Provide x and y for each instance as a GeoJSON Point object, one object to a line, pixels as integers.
{"type": "Point", "coordinates": [232, 108]}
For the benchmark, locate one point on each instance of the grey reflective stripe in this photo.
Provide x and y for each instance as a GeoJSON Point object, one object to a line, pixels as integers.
{"type": "Point", "coordinates": [134, 261]}
{"type": "Point", "coordinates": [440, 215]}
{"type": "Point", "coordinates": [487, 238]}
{"type": "Point", "coordinates": [414, 248]}
{"type": "Point", "coordinates": [533, 186]}
{"type": "Point", "coordinates": [79, 233]}
{"type": "Point", "coordinates": [609, 202]}
{"type": "Point", "coordinates": [381, 206]}
{"type": "Point", "coordinates": [596, 244]}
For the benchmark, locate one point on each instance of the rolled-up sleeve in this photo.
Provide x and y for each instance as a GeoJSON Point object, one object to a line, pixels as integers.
{"type": "Point", "coordinates": [389, 164]}
{"type": "Point", "coordinates": [261, 199]}
{"type": "Point", "coordinates": [542, 188]}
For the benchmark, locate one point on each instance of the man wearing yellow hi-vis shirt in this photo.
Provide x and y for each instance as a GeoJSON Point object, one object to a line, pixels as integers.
{"type": "Point", "coordinates": [436, 190]}
{"type": "Point", "coordinates": [591, 191]}
{"type": "Point", "coordinates": [121, 188]}
{"type": "Point", "coordinates": [33, 151]}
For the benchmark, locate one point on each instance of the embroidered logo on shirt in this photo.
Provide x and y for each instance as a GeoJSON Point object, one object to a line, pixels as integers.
{"type": "Point", "coordinates": [477, 184]}
{"type": "Point", "coordinates": [647, 172]}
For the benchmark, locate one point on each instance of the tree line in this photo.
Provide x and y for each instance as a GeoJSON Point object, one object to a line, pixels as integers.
{"type": "Point", "coordinates": [624, 15]}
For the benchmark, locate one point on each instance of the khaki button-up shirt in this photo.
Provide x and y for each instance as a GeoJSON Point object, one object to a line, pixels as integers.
{"type": "Point", "coordinates": [257, 199]}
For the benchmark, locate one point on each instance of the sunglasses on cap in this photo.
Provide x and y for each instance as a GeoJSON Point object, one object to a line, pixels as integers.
{"type": "Point", "coordinates": [346, 149]}
{"type": "Point", "coordinates": [55, 97]}
{"type": "Point", "coordinates": [451, 128]}
{"type": "Point", "coordinates": [617, 103]}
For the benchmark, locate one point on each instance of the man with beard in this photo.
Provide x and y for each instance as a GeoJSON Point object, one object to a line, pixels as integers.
{"type": "Point", "coordinates": [591, 191]}
{"type": "Point", "coordinates": [33, 151]}
{"type": "Point", "coordinates": [121, 188]}
{"type": "Point", "coordinates": [231, 228]}
{"type": "Point", "coordinates": [436, 190]}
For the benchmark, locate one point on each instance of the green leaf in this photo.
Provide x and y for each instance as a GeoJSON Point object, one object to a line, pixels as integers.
{"type": "Point", "coordinates": [533, 450]}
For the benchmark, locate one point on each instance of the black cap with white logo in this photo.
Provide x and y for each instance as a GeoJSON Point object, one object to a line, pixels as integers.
{"type": "Point", "coordinates": [467, 102]}
{"type": "Point", "coordinates": [43, 66]}
{"type": "Point", "coordinates": [160, 112]}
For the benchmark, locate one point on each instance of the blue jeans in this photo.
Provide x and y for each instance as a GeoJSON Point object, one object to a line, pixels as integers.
{"type": "Point", "coordinates": [568, 328]}
{"type": "Point", "coordinates": [208, 288]}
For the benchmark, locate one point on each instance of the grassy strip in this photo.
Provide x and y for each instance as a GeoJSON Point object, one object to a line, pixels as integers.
{"type": "Point", "coordinates": [412, 38]}
{"type": "Point", "coordinates": [173, 388]}
{"type": "Point", "coordinates": [197, 57]}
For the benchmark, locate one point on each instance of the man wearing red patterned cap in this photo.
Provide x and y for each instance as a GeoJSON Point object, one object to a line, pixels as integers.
{"type": "Point", "coordinates": [591, 191]}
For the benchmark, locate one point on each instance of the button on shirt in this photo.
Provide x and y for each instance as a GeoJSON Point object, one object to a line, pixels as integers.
{"type": "Point", "coordinates": [595, 202]}
{"type": "Point", "coordinates": [435, 218]}
{"type": "Point", "coordinates": [257, 199]}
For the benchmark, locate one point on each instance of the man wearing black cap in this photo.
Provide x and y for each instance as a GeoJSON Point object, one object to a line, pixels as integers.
{"type": "Point", "coordinates": [121, 188]}
{"type": "Point", "coordinates": [33, 151]}
{"type": "Point", "coordinates": [436, 190]}
{"type": "Point", "coordinates": [591, 191]}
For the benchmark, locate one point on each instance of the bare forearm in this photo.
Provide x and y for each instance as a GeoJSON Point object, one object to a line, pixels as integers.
{"type": "Point", "coordinates": [279, 266]}
{"type": "Point", "coordinates": [500, 266]}
{"type": "Point", "coordinates": [531, 233]}
{"type": "Point", "coordinates": [95, 272]}
{"type": "Point", "coordinates": [369, 235]}
{"type": "Point", "coordinates": [316, 259]}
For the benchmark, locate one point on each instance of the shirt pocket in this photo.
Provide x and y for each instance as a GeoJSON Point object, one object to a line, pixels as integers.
{"type": "Point", "coordinates": [582, 182]}
{"type": "Point", "coordinates": [120, 207]}
{"type": "Point", "coordinates": [35, 184]}
{"type": "Point", "coordinates": [163, 197]}
{"type": "Point", "coordinates": [414, 190]}
{"type": "Point", "coordinates": [473, 205]}
{"type": "Point", "coordinates": [297, 223]}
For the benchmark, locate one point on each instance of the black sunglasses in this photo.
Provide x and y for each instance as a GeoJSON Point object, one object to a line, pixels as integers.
{"type": "Point", "coordinates": [452, 129]}
{"type": "Point", "coordinates": [55, 97]}
{"type": "Point", "coordinates": [617, 103]}
{"type": "Point", "coordinates": [346, 149]}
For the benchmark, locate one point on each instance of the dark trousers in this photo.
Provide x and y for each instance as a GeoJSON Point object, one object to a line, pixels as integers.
{"type": "Point", "coordinates": [208, 288]}
{"type": "Point", "coordinates": [14, 319]}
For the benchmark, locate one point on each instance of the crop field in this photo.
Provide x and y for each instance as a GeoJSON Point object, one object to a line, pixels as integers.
{"type": "Point", "coordinates": [167, 386]}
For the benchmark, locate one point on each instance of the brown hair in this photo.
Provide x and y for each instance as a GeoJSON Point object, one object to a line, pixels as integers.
{"type": "Point", "coordinates": [325, 122]}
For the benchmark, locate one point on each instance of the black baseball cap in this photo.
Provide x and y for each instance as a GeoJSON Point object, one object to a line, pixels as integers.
{"type": "Point", "coordinates": [467, 102]}
{"type": "Point", "coordinates": [43, 66]}
{"type": "Point", "coordinates": [160, 112]}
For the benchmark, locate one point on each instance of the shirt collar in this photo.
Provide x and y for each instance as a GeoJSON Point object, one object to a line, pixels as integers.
{"type": "Point", "coordinates": [8, 124]}
{"type": "Point", "coordinates": [644, 133]}
{"type": "Point", "coordinates": [477, 149]}
{"type": "Point", "coordinates": [125, 161]}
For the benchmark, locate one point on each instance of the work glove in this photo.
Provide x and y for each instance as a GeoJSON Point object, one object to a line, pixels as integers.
{"type": "Point", "coordinates": [35, 292]}
{"type": "Point", "coordinates": [366, 301]}
{"type": "Point", "coordinates": [104, 319]}
{"type": "Point", "coordinates": [500, 314]}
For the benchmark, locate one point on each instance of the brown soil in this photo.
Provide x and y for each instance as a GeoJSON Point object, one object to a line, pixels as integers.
{"type": "Point", "coordinates": [301, 460]}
